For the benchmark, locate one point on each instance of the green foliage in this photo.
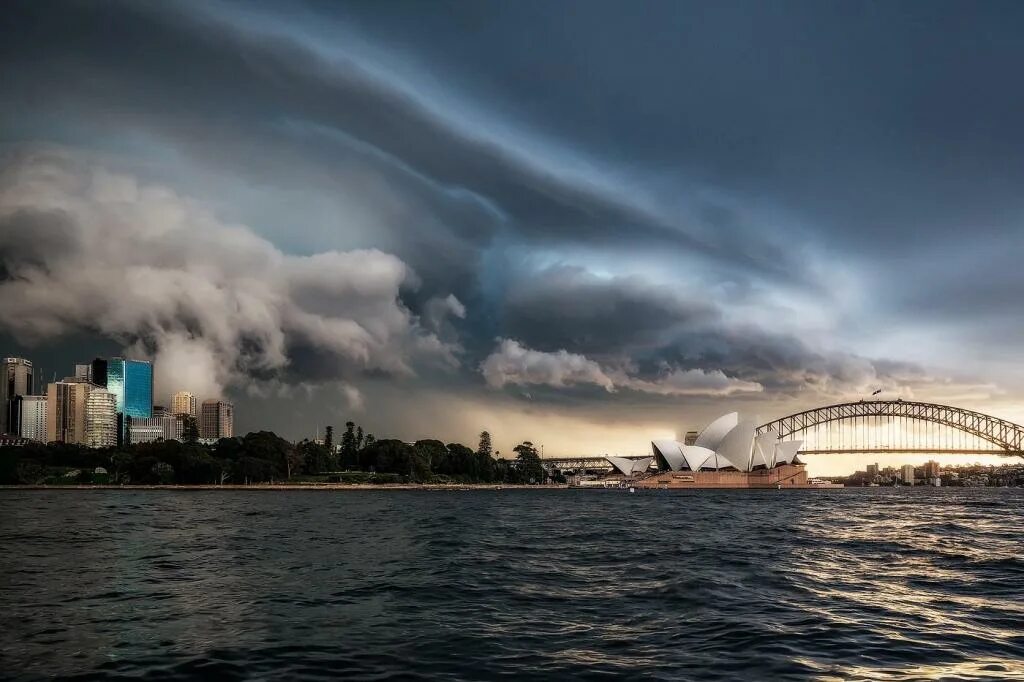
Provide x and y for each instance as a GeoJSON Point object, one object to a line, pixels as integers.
{"type": "Point", "coordinates": [528, 464]}
{"type": "Point", "coordinates": [349, 449]}
{"type": "Point", "coordinates": [484, 448]}
{"type": "Point", "coordinates": [315, 458]}
{"type": "Point", "coordinates": [264, 456]}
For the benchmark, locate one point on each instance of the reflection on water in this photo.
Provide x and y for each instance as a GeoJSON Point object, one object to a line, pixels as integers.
{"type": "Point", "coordinates": [872, 584]}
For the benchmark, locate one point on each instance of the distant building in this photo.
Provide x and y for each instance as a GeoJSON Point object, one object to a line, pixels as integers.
{"type": "Point", "coordinates": [161, 426]}
{"type": "Point", "coordinates": [217, 420]}
{"type": "Point", "coordinates": [16, 379]}
{"type": "Point", "coordinates": [98, 372]}
{"type": "Point", "coordinates": [690, 438]}
{"type": "Point", "coordinates": [184, 402]}
{"type": "Point", "coordinates": [873, 471]}
{"type": "Point", "coordinates": [907, 474]}
{"type": "Point", "coordinates": [65, 411]}
{"type": "Point", "coordinates": [100, 418]}
{"type": "Point", "coordinates": [84, 371]}
{"type": "Point", "coordinates": [931, 469]}
{"type": "Point", "coordinates": [178, 427]}
{"type": "Point", "coordinates": [33, 417]}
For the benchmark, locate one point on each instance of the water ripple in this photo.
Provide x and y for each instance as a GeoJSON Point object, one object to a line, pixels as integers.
{"type": "Point", "coordinates": [829, 585]}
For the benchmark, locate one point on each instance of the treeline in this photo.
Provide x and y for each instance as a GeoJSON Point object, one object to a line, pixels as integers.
{"type": "Point", "coordinates": [264, 456]}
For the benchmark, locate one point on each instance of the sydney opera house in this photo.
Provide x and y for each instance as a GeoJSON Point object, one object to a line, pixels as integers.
{"type": "Point", "coordinates": [728, 453]}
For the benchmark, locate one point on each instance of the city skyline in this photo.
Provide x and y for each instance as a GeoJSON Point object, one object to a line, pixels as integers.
{"type": "Point", "coordinates": [380, 215]}
{"type": "Point", "coordinates": [105, 403]}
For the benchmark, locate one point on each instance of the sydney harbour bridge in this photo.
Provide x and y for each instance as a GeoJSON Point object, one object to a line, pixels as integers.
{"type": "Point", "coordinates": [878, 426]}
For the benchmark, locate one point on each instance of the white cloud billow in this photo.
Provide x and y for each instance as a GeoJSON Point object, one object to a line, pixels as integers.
{"type": "Point", "coordinates": [214, 304]}
{"type": "Point", "coordinates": [513, 363]}
{"type": "Point", "coordinates": [692, 382]}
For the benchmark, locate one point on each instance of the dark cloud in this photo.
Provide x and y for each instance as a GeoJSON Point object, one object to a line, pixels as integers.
{"type": "Point", "coordinates": [588, 204]}
{"type": "Point", "coordinates": [224, 84]}
{"type": "Point", "coordinates": [571, 308]}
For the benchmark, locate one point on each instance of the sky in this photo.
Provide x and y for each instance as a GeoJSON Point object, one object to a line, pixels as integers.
{"type": "Point", "coordinates": [584, 224]}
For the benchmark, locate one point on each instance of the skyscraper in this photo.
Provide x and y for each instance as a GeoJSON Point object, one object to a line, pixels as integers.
{"type": "Point", "coordinates": [131, 382]}
{"type": "Point", "coordinates": [100, 418]}
{"type": "Point", "coordinates": [16, 378]}
{"type": "Point", "coordinates": [907, 474]}
{"type": "Point", "coordinates": [98, 372]}
{"type": "Point", "coordinates": [183, 402]}
{"type": "Point", "coordinates": [217, 420]}
{"type": "Point", "coordinates": [33, 417]}
{"type": "Point", "coordinates": [65, 411]}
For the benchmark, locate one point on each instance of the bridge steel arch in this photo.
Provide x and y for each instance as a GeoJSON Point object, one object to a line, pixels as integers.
{"type": "Point", "coordinates": [1005, 435]}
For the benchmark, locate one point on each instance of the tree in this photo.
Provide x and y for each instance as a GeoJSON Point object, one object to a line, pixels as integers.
{"type": "Point", "coordinates": [433, 454]}
{"type": "Point", "coordinates": [484, 448]}
{"type": "Point", "coordinates": [329, 438]}
{"type": "Point", "coordinates": [348, 446]}
{"type": "Point", "coordinates": [528, 463]}
{"type": "Point", "coordinates": [293, 460]}
{"type": "Point", "coordinates": [463, 463]}
{"type": "Point", "coordinates": [315, 458]}
{"type": "Point", "coordinates": [389, 456]}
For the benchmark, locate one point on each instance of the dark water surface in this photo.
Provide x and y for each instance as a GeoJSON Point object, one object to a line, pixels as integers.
{"type": "Point", "coordinates": [844, 584]}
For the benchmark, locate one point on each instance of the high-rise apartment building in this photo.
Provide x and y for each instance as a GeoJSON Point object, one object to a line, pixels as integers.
{"type": "Point", "coordinates": [65, 411]}
{"type": "Point", "coordinates": [931, 469]}
{"type": "Point", "coordinates": [184, 402]}
{"type": "Point", "coordinates": [907, 471]}
{"type": "Point", "coordinates": [33, 417]}
{"type": "Point", "coordinates": [100, 418]}
{"type": "Point", "coordinates": [217, 419]}
{"type": "Point", "coordinates": [16, 379]}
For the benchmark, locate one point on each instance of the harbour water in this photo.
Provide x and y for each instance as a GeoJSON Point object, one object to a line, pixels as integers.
{"type": "Point", "coordinates": [838, 584]}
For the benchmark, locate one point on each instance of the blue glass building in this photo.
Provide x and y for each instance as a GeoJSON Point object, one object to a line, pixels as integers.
{"type": "Point", "coordinates": [131, 382]}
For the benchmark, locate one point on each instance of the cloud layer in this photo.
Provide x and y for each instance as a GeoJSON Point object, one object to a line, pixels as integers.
{"type": "Point", "coordinates": [720, 209]}
{"type": "Point", "coordinates": [214, 304]}
{"type": "Point", "coordinates": [512, 363]}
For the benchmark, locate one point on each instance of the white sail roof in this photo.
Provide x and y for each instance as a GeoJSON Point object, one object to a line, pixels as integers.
{"type": "Point", "coordinates": [764, 449]}
{"type": "Point", "coordinates": [735, 449]}
{"type": "Point", "coordinates": [697, 457]}
{"type": "Point", "coordinates": [671, 452]}
{"type": "Point", "coordinates": [630, 467]}
{"type": "Point", "coordinates": [785, 452]}
{"type": "Point", "coordinates": [735, 444]}
{"type": "Point", "coordinates": [714, 432]}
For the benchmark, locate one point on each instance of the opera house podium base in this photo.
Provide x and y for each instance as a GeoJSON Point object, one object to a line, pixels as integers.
{"type": "Point", "coordinates": [782, 476]}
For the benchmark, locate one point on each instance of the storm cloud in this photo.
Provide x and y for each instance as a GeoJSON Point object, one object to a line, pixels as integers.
{"type": "Point", "coordinates": [214, 304]}
{"type": "Point", "coordinates": [573, 208]}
